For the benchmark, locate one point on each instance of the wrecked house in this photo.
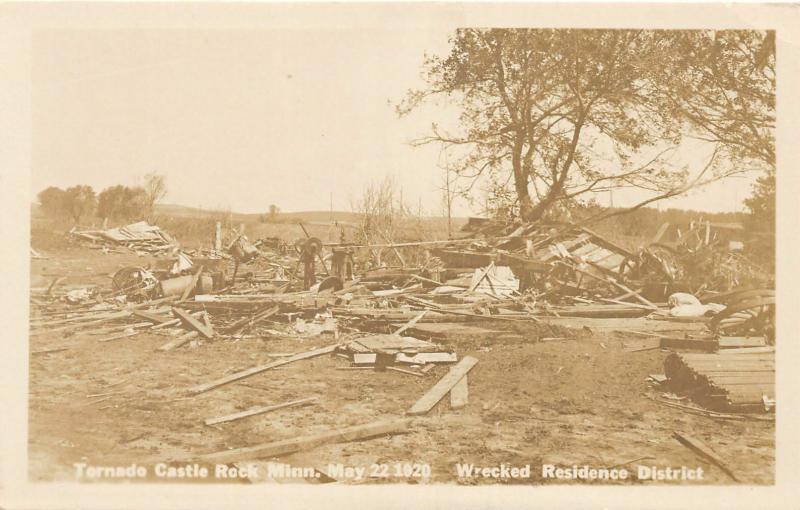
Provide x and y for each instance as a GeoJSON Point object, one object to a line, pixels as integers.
{"type": "Point", "coordinates": [139, 236]}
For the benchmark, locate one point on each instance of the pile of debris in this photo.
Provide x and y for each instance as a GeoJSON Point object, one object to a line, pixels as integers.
{"type": "Point", "coordinates": [398, 318]}
{"type": "Point", "coordinates": [137, 237]}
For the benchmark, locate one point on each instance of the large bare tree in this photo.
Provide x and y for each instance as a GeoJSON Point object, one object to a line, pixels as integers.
{"type": "Point", "coordinates": [559, 113]}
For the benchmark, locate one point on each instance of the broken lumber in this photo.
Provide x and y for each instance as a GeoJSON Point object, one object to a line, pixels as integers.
{"type": "Point", "coordinates": [411, 322]}
{"type": "Point", "coordinates": [702, 450]}
{"type": "Point", "coordinates": [177, 342]}
{"type": "Point", "coordinates": [193, 323]}
{"type": "Point", "coordinates": [441, 388]}
{"type": "Point", "coordinates": [459, 395]}
{"type": "Point", "coordinates": [173, 322]}
{"type": "Point", "coordinates": [249, 322]}
{"type": "Point", "coordinates": [261, 368]}
{"type": "Point", "coordinates": [152, 317]}
{"type": "Point", "coordinates": [279, 448]}
{"type": "Point", "coordinates": [259, 410]}
{"type": "Point", "coordinates": [192, 284]}
{"type": "Point", "coordinates": [703, 344]}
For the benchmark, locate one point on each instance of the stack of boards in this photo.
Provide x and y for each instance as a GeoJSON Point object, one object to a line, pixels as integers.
{"type": "Point", "coordinates": [740, 380]}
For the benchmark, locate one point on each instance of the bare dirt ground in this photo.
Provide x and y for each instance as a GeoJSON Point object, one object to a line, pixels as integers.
{"type": "Point", "coordinates": [582, 400]}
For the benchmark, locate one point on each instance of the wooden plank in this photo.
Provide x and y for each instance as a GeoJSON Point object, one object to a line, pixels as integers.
{"type": "Point", "coordinates": [411, 322]}
{"type": "Point", "coordinates": [261, 368]}
{"type": "Point", "coordinates": [632, 293]}
{"type": "Point", "coordinates": [193, 284]}
{"type": "Point", "coordinates": [154, 318]}
{"type": "Point", "coordinates": [441, 388]}
{"type": "Point", "coordinates": [259, 410]}
{"type": "Point", "coordinates": [741, 342]}
{"type": "Point", "coordinates": [731, 354]}
{"type": "Point", "coordinates": [749, 350]}
{"type": "Point", "coordinates": [667, 342]}
{"type": "Point", "coordinates": [459, 394]}
{"type": "Point", "coordinates": [173, 322]}
{"type": "Point", "coordinates": [249, 322]}
{"type": "Point", "coordinates": [120, 336]}
{"type": "Point", "coordinates": [729, 363]}
{"type": "Point", "coordinates": [700, 448]}
{"type": "Point", "coordinates": [737, 372]}
{"type": "Point", "coordinates": [279, 448]}
{"type": "Point", "coordinates": [618, 302]}
{"type": "Point", "coordinates": [106, 318]}
{"type": "Point", "coordinates": [193, 323]}
{"type": "Point", "coordinates": [177, 342]}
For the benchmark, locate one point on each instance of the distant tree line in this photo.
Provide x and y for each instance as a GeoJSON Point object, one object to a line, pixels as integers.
{"type": "Point", "coordinates": [116, 203]}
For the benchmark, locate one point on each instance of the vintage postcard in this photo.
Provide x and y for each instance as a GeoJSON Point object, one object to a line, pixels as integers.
{"type": "Point", "coordinates": [399, 255]}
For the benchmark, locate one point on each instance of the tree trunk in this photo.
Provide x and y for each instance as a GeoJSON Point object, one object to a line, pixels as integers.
{"type": "Point", "coordinates": [521, 181]}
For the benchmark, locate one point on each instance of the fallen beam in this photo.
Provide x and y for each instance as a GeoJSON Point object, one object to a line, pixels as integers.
{"type": "Point", "coordinates": [259, 410]}
{"type": "Point", "coordinates": [441, 388]}
{"type": "Point", "coordinates": [459, 395]}
{"type": "Point", "coordinates": [192, 284]}
{"type": "Point", "coordinates": [411, 322]}
{"type": "Point", "coordinates": [261, 368]}
{"type": "Point", "coordinates": [279, 448]}
{"type": "Point", "coordinates": [190, 321]}
{"type": "Point", "coordinates": [700, 448]}
{"type": "Point", "coordinates": [177, 342]}
{"type": "Point", "coordinates": [152, 317]}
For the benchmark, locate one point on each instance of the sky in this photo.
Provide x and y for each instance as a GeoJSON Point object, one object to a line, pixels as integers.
{"type": "Point", "coordinates": [241, 119]}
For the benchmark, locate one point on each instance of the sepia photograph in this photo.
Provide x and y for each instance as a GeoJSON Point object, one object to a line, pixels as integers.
{"type": "Point", "coordinates": [433, 252]}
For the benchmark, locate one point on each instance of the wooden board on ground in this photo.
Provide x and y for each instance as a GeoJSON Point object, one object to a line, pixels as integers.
{"type": "Point", "coordinates": [737, 342]}
{"type": "Point", "coordinates": [192, 284]}
{"type": "Point", "coordinates": [193, 323]}
{"type": "Point", "coordinates": [700, 344]}
{"type": "Point", "coordinates": [259, 410]}
{"type": "Point", "coordinates": [441, 388]}
{"type": "Point", "coordinates": [704, 451]}
{"type": "Point", "coordinates": [459, 394]}
{"type": "Point", "coordinates": [200, 388]}
{"type": "Point", "coordinates": [177, 342]}
{"type": "Point", "coordinates": [152, 317]}
{"type": "Point", "coordinates": [279, 448]}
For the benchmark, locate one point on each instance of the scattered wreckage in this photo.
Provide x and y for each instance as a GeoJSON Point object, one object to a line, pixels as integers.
{"type": "Point", "coordinates": [140, 237]}
{"type": "Point", "coordinates": [393, 318]}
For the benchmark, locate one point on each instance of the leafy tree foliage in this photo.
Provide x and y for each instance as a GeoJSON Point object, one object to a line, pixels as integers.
{"type": "Point", "coordinates": [123, 203]}
{"type": "Point", "coordinates": [53, 201]}
{"type": "Point", "coordinates": [556, 114]}
{"type": "Point", "coordinates": [762, 203]}
{"type": "Point", "coordinates": [80, 202]}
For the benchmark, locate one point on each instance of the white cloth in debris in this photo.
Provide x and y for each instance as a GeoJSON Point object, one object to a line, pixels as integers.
{"type": "Point", "coordinates": [697, 310]}
{"type": "Point", "coordinates": [682, 298]}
